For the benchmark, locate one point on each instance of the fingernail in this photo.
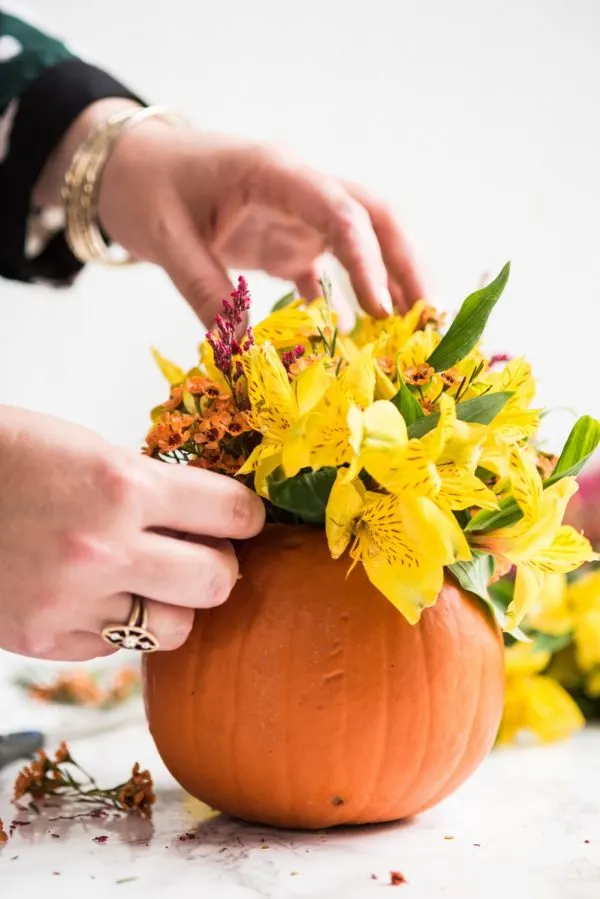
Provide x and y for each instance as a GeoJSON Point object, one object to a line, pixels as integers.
{"type": "Point", "coordinates": [385, 300]}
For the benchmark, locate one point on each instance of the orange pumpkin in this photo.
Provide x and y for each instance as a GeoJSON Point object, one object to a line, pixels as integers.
{"type": "Point", "coordinates": [307, 700]}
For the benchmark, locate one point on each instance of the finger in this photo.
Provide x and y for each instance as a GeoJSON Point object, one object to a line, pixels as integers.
{"type": "Point", "coordinates": [171, 625]}
{"type": "Point", "coordinates": [323, 204]}
{"type": "Point", "coordinates": [197, 575]}
{"type": "Point", "coordinates": [394, 246]}
{"type": "Point", "coordinates": [196, 273]}
{"type": "Point", "coordinates": [77, 646]}
{"type": "Point", "coordinates": [196, 501]}
{"type": "Point", "coordinates": [308, 284]}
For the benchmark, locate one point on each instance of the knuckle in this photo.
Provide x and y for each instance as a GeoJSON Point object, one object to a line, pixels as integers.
{"type": "Point", "coordinates": [349, 215]}
{"type": "Point", "coordinates": [117, 482]}
{"type": "Point", "coordinates": [246, 514]}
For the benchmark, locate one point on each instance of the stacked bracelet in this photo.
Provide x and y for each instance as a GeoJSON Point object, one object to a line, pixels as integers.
{"type": "Point", "coordinates": [82, 184]}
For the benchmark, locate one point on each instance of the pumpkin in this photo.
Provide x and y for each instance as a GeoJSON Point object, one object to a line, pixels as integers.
{"type": "Point", "coordinates": [307, 701]}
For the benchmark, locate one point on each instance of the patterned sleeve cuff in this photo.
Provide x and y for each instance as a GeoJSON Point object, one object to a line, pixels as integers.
{"type": "Point", "coordinates": [30, 128]}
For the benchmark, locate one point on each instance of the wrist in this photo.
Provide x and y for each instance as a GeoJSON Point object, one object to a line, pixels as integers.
{"type": "Point", "coordinates": [47, 191]}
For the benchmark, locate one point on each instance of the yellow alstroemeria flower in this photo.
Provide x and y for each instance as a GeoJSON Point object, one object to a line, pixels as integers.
{"type": "Point", "coordinates": [538, 543]}
{"type": "Point", "coordinates": [328, 433]}
{"type": "Point", "coordinates": [534, 703]}
{"type": "Point", "coordinates": [516, 421]}
{"type": "Point", "coordinates": [403, 542]}
{"type": "Point", "coordinates": [455, 447]}
{"type": "Point", "coordinates": [296, 324]}
{"type": "Point", "coordinates": [397, 328]}
{"type": "Point", "coordinates": [564, 608]}
{"type": "Point", "coordinates": [276, 407]}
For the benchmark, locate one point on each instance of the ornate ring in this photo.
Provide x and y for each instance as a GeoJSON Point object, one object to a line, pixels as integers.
{"type": "Point", "coordinates": [134, 634]}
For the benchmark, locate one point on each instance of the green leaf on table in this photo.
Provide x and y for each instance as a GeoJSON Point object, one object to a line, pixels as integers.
{"type": "Point", "coordinates": [468, 326]}
{"type": "Point", "coordinates": [478, 410]}
{"type": "Point", "coordinates": [581, 444]}
{"type": "Point", "coordinates": [408, 405]}
{"type": "Point", "coordinates": [304, 495]}
{"type": "Point", "coordinates": [285, 301]}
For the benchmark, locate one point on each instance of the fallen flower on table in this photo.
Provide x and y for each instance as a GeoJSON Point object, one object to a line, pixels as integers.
{"type": "Point", "coordinates": [59, 778]}
{"type": "Point", "coordinates": [3, 834]}
{"type": "Point", "coordinates": [82, 688]}
{"type": "Point", "coordinates": [396, 878]}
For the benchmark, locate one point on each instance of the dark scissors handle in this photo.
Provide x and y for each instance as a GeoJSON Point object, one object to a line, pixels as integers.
{"type": "Point", "coordinates": [24, 745]}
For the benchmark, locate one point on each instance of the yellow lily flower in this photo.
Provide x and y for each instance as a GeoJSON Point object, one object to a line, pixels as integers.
{"type": "Point", "coordinates": [403, 542]}
{"type": "Point", "coordinates": [397, 328]}
{"type": "Point", "coordinates": [516, 422]}
{"type": "Point", "coordinates": [276, 407]}
{"type": "Point", "coordinates": [295, 324]}
{"type": "Point", "coordinates": [538, 544]}
{"type": "Point", "coordinates": [455, 447]}
{"type": "Point", "coordinates": [535, 703]}
{"type": "Point", "coordinates": [332, 428]}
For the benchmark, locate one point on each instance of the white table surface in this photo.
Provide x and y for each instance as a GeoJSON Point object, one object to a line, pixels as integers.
{"type": "Point", "coordinates": [527, 825]}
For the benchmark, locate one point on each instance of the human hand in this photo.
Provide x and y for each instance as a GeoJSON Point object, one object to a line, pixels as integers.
{"type": "Point", "coordinates": [84, 525]}
{"type": "Point", "coordinates": [198, 204]}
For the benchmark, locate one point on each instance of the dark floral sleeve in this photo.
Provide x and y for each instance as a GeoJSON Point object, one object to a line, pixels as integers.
{"type": "Point", "coordinates": [43, 88]}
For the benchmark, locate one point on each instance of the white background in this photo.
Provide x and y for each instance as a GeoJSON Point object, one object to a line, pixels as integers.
{"type": "Point", "coordinates": [478, 119]}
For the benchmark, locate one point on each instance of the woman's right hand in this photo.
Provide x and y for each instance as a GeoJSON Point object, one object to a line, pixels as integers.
{"type": "Point", "coordinates": [84, 525]}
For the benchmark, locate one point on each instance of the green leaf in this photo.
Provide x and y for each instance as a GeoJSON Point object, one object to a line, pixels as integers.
{"type": "Point", "coordinates": [408, 405]}
{"type": "Point", "coordinates": [305, 495]}
{"type": "Point", "coordinates": [478, 410]}
{"type": "Point", "coordinates": [581, 444]}
{"type": "Point", "coordinates": [474, 576]}
{"type": "Point", "coordinates": [284, 301]}
{"type": "Point", "coordinates": [550, 642]}
{"type": "Point", "coordinates": [468, 326]}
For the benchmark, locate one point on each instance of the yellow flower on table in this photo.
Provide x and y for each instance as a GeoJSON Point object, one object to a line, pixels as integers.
{"type": "Point", "coordinates": [534, 703]}
{"type": "Point", "coordinates": [403, 541]}
{"type": "Point", "coordinates": [538, 543]}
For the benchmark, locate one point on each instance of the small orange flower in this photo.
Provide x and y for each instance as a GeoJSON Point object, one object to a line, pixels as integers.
{"type": "Point", "coordinates": [451, 377]}
{"type": "Point", "coordinates": [546, 463]}
{"type": "Point", "coordinates": [62, 754]}
{"type": "Point", "coordinates": [430, 316]}
{"type": "Point", "coordinates": [3, 834]}
{"type": "Point", "coordinates": [137, 795]}
{"type": "Point", "coordinates": [387, 365]}
{"type": "Point", "coordinates": [419, 375]}
{"type": "Point", "coordinates": [239, 424]}
{"type": "Point", "coordinates": [172, 432]}
{"type": "Point", "coordinates": [175, 400]}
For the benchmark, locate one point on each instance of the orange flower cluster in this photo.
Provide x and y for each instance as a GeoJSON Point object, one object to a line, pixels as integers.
{"type": "Point", "coordinates": [49, 778]}
{"type": "Point", "coordinates": [203, 422]}
{"type": "Point", "coordinates": [81, 689]}
{"type": "Point", "coordinates": [137, 795]}
{"type": "Point", "coordinates": [43, 776]}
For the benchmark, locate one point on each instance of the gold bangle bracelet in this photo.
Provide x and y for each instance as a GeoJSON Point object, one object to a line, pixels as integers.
{"type": "Point", "coordinates": [82, 184]}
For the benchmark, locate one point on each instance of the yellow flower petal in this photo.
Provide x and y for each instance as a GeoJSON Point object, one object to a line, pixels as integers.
{"type": "Point", "coordinates": [434, 530]}
{"type": "Point", "coordinates": [551, 613]}
{"type": "Point", "coordinates": [270, 393]}
{"type": "Point", "coordinates": [522, 659]}
{"type": "Point", "coordinates": [592, 684]}
{"type": "Point", "coordinates": [539, 706]}
{"type": "Point", "coordinates": [173, 373]}
{"type": "Point", "coordinates": [529, 583]}
{"type": "Point", "coordinates": [587, 640]}
{"type": "Point", "coordinates": [568, 551]}
{"type": "Point", "coordinates": [264, 469]}
{"type": "Point", "coordinates": [310, 385]}
{"type": "Point", "coordinates": [357, 380]}
{"type": "Point", "coordinates": [460, 489]}
{"type": "Point", "coordinates": [344, 506]}
{"type": "Point", "coordinates": [408, 588]}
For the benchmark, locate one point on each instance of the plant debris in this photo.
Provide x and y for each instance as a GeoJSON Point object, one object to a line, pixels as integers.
{"type": "Point", "coordinates": [100, 839]}
{"type": "Point", "coordinates": [84, 689]}
{"type": "Point", "coordinates": [60, 778]}
{"type": "Point", "coordinates": [396, 879]}
{"type": "Point", "coordinates": [3, 834]}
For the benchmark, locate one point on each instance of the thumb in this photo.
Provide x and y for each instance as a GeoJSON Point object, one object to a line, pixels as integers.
{"type": "Point", "coordinates": [197, 274]}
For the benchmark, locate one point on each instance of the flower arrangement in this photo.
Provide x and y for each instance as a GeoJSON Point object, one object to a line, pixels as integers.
{"type": "Point", "coordinates": [415, 451]}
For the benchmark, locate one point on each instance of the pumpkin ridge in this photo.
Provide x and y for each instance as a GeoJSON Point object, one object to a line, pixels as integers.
{"type": "Point", "coordinates": [378, 767]}
{"type": "Point", "coordinates": [458, 766]}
